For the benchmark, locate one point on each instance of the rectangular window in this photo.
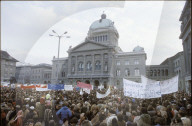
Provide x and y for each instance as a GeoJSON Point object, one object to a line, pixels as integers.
{"type": "Point", "coordinates": [136, 61]}
{"type": "Point", "coordinates": [100, 38]}
{"type": "Point", "coordinates": [118, 63]}
{"type": "Point", "coordinates": [126, 62]}
{"type": "Point", "coordinates": [137, 73]}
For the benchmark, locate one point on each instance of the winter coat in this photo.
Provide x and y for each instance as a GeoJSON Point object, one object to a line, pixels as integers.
{"type": "Point", "coordinates": [64, 113]}
{"type": "Point", "coordinates": [144, 120]}
{"type": "Point", "coordinates": [41, 111]}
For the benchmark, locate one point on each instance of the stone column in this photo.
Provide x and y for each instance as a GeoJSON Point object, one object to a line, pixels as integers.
{"type": "Point", "coordinates": [76, 65]}
{"type": "Point", "coordinates": [102, 63]}
{"type": "Point", "coordinates": [93, 63]}
{"type": "Point", "coordinates": [84, 64]}
{"type": "Point", "coordinates": [69, 65]}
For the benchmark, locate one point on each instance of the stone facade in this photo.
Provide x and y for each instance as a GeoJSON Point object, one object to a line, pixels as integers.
{"type": "Point", "coordinates": [23, 74]}
{"type": "Point", "coordinates": [8, 66]}
{"type": "Point", "coordinates": [172, 66]}
{"type": "Point", "coordinates": [41, 73]}
{"type": "Point", "coordinates": [99, 59]}
{"type": "Point", "coordinates": [59, 70]}
{"type": "Point", "coordinates": [185, 35]}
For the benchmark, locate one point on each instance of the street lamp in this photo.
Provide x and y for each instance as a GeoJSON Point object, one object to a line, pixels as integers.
{"type": "Point", "coordinates": [59, 36]}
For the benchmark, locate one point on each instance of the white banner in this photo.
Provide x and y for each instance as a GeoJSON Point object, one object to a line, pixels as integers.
{"type": "Point", "coordinates": [42, 89]}
{"type": "Point", "coordinates": [68, 87]}
{"type": "Point", "coordinates": [104, 95]}
{"type": "Point", "coordinates": [86, 90]}
{"type": "Point", "coordinates": [139, 90]}
{"type": "Point", "coordinates": [169, 86]}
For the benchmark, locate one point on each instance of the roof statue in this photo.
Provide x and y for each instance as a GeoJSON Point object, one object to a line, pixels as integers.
{"type": "Point", "coordinates": [102, 23]}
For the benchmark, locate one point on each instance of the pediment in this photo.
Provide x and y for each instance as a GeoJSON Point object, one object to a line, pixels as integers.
{"type": "Point", "coordinates": [85, 46]}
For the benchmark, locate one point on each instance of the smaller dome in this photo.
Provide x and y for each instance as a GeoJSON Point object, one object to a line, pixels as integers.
{"type": "Point", "coordinates": [138, 49]}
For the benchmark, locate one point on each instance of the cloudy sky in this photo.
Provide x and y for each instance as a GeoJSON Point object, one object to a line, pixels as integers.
{"type": "Point", "coordinates": [26, 27]}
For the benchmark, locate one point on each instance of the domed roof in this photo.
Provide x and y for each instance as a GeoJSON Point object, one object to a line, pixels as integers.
{"type": "Point", "coordinates": [102, 23]}
{"type": "Point", "coordinates": [138, 49]}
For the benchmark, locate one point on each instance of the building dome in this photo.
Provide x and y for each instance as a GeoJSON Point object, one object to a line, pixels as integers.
{"type": "Point", "coordinates": [102, 23]}
{"type": "Point", "coordinates": [138, 49]}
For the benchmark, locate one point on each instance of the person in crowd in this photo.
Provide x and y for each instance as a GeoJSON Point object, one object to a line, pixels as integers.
{"type": "Point", "coordinates": [145, 118]}
{"type": "Point", "coordinates": [64, 113]}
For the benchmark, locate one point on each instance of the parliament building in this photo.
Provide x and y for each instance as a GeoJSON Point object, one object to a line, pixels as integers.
{"type": "Point", "coordinates": [99, 60]}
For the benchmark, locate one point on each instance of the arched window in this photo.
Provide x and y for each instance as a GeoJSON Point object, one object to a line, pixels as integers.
{"type": "Point", "coordinates": [127, 72]}
{"type": "Point", "coordinates": [118, 72]}
{"type": "Point", "coordinates": [98, 65]}
{"type": "Point", "coordinates": [80, 66]}
{"type": "Point", "coordinates": [137, 73]}
{"type": "Point", "coordinates": [151, 73]}
{"type": "Point", "coordinates": [89, 66]}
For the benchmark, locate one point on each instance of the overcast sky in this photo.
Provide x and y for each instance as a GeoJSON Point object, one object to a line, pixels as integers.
{"type": "Point", "coordinates": [26, 26]}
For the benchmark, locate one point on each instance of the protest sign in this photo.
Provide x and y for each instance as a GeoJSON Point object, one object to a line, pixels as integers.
{"type": "Point", "coordinates": [139, 90]}
{"type": "Point", "coordinates": [84, 85]}
{"type": "Point", "coordinates": [169, 86]}
{"type": "Point", "coordinates": [68, 88]}
{"type": "Point", "coordinates": [56, 86]}
{"type": "Point", "coordinates": [101, 87]}
{"type": "Point", "coordinates": [24, 86]}
{"type": "Point", "coordinates": [103, 95]}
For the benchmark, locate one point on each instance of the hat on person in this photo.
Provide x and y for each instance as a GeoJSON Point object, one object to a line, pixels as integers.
{"type": "Point", "coordinates": [18, 106]}
{"type": "Point", "coordinates": [32, 108]}
{"type": "Point", "coordinates": [182, 108]}
{"type": "Point", "coordinates": [27, 105]}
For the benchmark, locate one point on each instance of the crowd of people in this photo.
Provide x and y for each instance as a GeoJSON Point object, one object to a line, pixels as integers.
{"type": "Point", "coordinates": [69, 108]}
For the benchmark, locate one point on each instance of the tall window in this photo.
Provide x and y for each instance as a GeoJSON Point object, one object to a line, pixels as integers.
{"type": "Point", "coordinates": [63, 74]}
{"type": "Point", "coordinates": [73, 68]}
{"type": "Point", "coordinates": [80, 66]}
{"type": "Point", "coordinates": [136, 61]}
{"type": "Point", "coordinates": [105, 37]}
{"type": "Point", "coordinates": [118, 72]}
{"type": "Point", "coordinates": [89, 66]}
{"type": "Point", "coordinates": [98, 65]}
{"type": "Point", "coordinates": [137, 73]}
{"type": "Point", "coordinates": [127, 72]}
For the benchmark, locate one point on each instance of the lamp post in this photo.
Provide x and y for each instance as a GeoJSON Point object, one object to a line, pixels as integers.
{"type": "Point", "coordinates": [59, 36]}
